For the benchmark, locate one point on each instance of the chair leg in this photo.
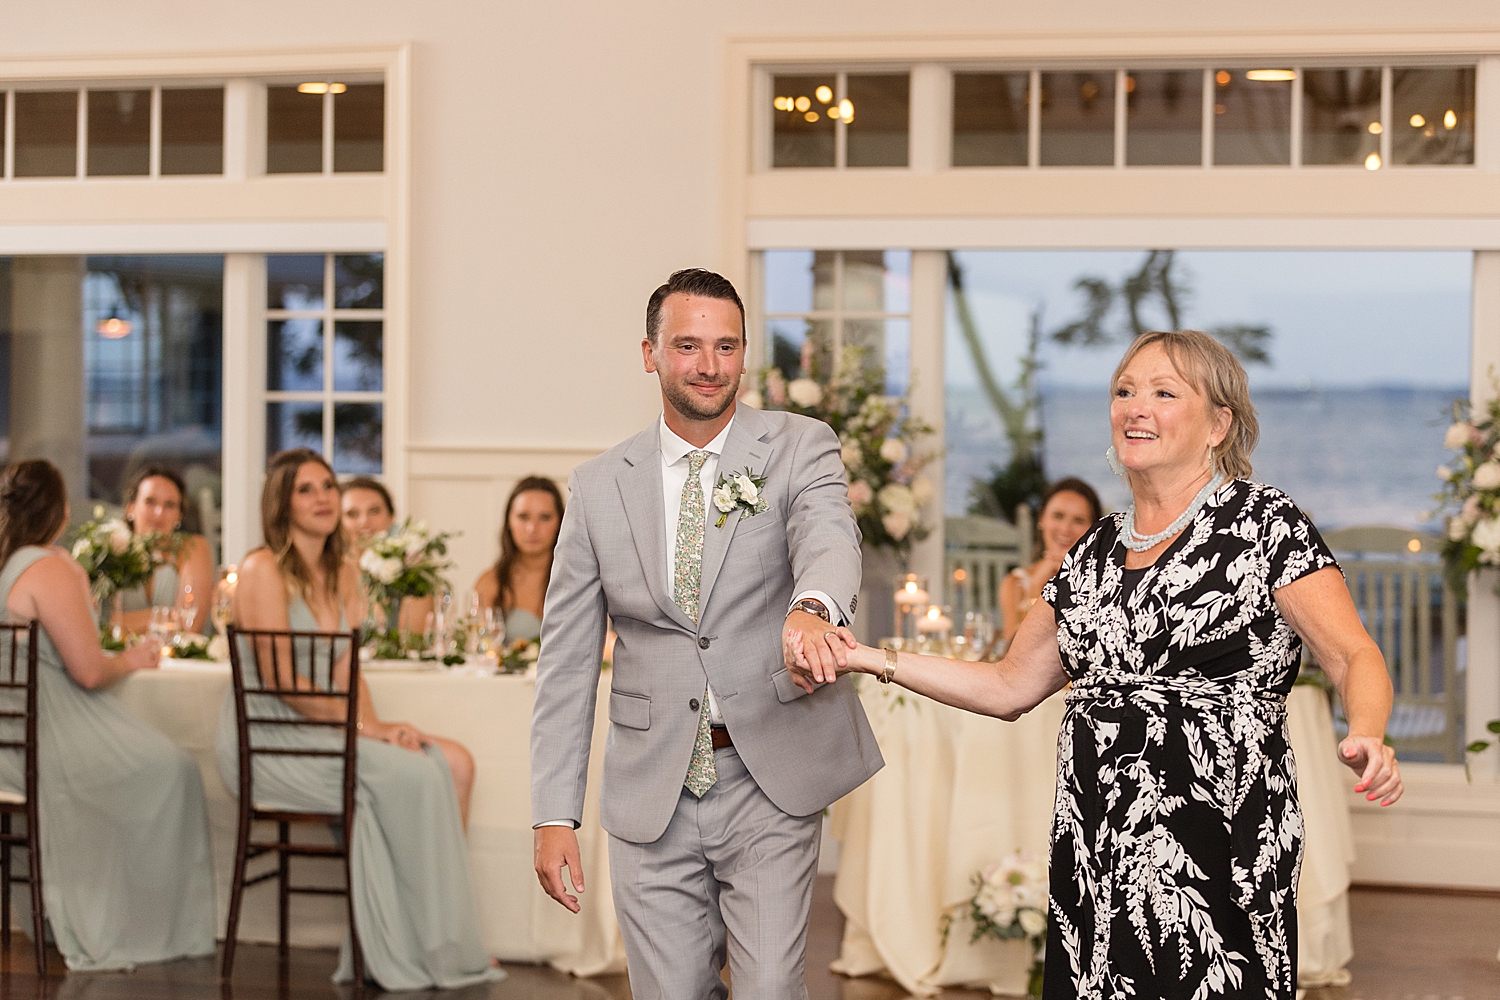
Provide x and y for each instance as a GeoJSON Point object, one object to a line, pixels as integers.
{"type": "Point", "coordinates": [38, 918]}
{"type": "Point", "coordinates": [356, 952]}
{"type": "Point", "coordinates": [284, 881]}
{"type": "Point", "coordinates": [237, 891]}
{"type": "Point", "coordinates": [5, 880]}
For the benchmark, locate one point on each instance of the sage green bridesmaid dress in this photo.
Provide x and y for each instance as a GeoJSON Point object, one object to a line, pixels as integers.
{"type": "Point", "coordinates": [413, 904]}
{"type": "Point", "coordinates": [125, 864]}
{"type": "Point", "coordinates": [163, 591]}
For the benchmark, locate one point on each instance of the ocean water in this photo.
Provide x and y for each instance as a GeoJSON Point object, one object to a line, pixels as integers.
{"type": "Point", "coordinates": [1348, 456]}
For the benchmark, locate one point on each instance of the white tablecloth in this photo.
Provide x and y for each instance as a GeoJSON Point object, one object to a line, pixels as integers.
{"type": "Point", "coordinates": [961, 791]}
{"type": "Point", "coordinates": [489, 715]}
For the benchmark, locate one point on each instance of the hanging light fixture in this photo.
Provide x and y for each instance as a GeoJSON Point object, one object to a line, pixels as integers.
{"type": "Point", "coordinates": [1271, 75]}
{"type": "Point", "coordinates": [113, 326]}
{"type": "Point", "coordinates": [321, 87]}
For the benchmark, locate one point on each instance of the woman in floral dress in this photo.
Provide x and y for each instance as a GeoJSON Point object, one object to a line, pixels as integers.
{"type": "Point", "coordinates": [1177, 836]}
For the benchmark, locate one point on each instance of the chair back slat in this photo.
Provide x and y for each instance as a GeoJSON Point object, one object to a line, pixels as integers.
{"type": "Point", "coordinates": [18, 665]}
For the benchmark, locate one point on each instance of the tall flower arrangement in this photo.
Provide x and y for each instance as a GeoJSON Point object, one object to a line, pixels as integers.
{"type": "Point", "coordinates": [117, 559]}
{"type": "Point", "coordinates": [405, 563]}
{"type": "Point", "coordinates": [879, 438]}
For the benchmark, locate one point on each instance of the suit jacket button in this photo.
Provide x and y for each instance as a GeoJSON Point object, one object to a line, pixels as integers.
{"type": "Point", "coordinates": [693, 704]}
{"type": "Point", "coordinates": [703, 643]}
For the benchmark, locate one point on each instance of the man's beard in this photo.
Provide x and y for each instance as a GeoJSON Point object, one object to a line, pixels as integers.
{"type": "Point", "coordinates": [693, 406]}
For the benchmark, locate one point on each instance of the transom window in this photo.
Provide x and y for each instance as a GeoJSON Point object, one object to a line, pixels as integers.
{"type": "Point", "coordinates": [325, 357]}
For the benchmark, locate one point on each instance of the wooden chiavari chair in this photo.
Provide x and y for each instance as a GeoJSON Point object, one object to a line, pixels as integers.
{"type": "Point", "coordinates": [274, 657]}
{"type": "Point", "coordinates": [18, 711]}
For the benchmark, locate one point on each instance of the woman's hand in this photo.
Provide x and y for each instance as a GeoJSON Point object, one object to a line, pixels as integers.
{"type": "Point", "coordinates": [400, 734]}
{"type": "Point", "coordinates": [144, 655]}
{"type": "Point", "coordinates": [1375, 763]}
{"type": "Point", "coordinates": [841, 654]}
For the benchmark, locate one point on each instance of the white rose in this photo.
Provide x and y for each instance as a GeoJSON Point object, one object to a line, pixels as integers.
{"type": "Point", "coordinates": [893, 450]}
{"type": "Point", "coordinates": [1487, 476]}
{"type": "Point", "coordinates": [898, 499]}
{"type": "Point", "coordinates": [369, 561]}
{"type": "Point", "coordinates": [748, 490]}
{"type": "Point", "coordinates": [1033, 923]}
{"type": "Point", "coordinates": [1458, 435]}
{"type": "Point", "coordinates": [1457, 529]}
{"type": "Point", "coordinates": [896, 525]}
{"type": "Point", "coordinates": [1487, 536]}
{"type": "Point", "coordinates": [1444, 473]}
{"type": "Point", "coordinates": [805, 392]}
{"type": "Point", "coordinates": [119, 537]}
{"type": "Point", "coordinates": [724, 498]}
{"type": "Point", "coordinates": [921, 490]}
{"type": "Point", "coordinates": [860, 493]}
{"type": "Point", "coordinates": [752, 399]}
{"type": "Point", "coordinates": [389, 570]}
{"type": "Point", "coordinates": [852, 455]}
{"type": "Point", "coordinates": [414, 544]}
{"type": "Point", "coordinates": [1472, 511]}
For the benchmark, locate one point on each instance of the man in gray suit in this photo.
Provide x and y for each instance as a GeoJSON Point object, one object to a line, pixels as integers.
{"type": "Point", "coordinates": [719, 762]}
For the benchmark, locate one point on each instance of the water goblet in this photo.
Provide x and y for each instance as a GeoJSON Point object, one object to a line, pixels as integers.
{"type": "Point", "coordinates": [187, 606]}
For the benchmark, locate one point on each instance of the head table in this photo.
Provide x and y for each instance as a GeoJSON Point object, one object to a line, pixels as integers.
{"type": "Point", "coordinates": [491, 716]}
{"type": "Point", "coordinates": [960, 792]}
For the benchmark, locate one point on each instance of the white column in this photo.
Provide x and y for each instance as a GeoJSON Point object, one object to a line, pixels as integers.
{"type": "Point", "coordinates": [244, 428]}
{"type": "Point", "coordinates": [47, 391]}
{"type": "Point", "coordinates": [931, 118]}
{"type": "Point", "coordinates": [929, 278]}
{"type": "Point", "coordinates": [1483, 674]}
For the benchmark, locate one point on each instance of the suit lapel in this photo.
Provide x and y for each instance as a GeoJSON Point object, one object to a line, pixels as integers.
{"type": "Point", "coordinates": [746, 448]}
{"type": "Point", "coordinates": [645, 513]}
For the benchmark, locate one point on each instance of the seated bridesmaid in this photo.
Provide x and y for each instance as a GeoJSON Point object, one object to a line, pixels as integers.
{"type": "Point", "coordinates": [125, 862]}
{"type": "Point", "coordinates": [517, 584]}
{"type": "Point", "coordinates": [155, 499]}
{"type": "Point", "coordinates": [1069, 509]}
{"type": "Point", "coordinates": [412, 902]}
{"type": "Point", "coordinates": [369, 511]}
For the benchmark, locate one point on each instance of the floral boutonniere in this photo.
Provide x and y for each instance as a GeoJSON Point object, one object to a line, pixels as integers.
{"type": "Point", "coordinates": [742, 491]}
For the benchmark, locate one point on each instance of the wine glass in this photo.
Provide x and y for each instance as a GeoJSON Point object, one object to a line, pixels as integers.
{"type": "Point", "coordinates": [187, 606]}
{"type": "Point", "coordinates": [163, 623]}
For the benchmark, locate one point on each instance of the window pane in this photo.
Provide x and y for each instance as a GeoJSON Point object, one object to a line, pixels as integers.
{"type": "Point", "coordinates": [1340, 116]}
{"type": "Point", "coordinates": [1432, 115]}
{"type": "Point", "coordinates": [799, 347]}
{"type": "Point", "coordinates": [46, 133]}
{"type": "Point", "coordinates": [789, 280]}
{"type": "Point", "coordinates": [294, 131]}
{"type": "Point", "coordinates": [990, 116]}
{"type": "Point", "coordinates": [192, 131]}
{"type": "Point", "coordinates": [1252, 119]}
{"type": "Point", "coordinates": [359, 281]}
{"type": "Point", "coordinates": [119, 133]}
{"type": "Point", "coordinates": [887, 343]}
{"type": "Point", "coordinates": [881, 120]}
{"type": "Point", "coordinates": [358, 446]}
{"type": "Point", "coordinates": [294, 354]}
{"type": "Point", "coordinates": [358, 360]}
{"type": "Point", "coordinates": [359, 128]}
{"type": "Point", "coordinates": [294, 281]}
{"type": "Point", "coordinates": [802, 126]}
{"type": "Point", "coordinates": [877, 281]}
{"type": "Point", "coordinates": [1078, 119]}
{"type": "Point", "coordinates": [1164, 118]}
{"type": "Point", "coordinates": [294, 425]}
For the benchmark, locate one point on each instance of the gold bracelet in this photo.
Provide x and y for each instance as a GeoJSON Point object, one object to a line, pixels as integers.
{"type": "Point", "coordinates": [889, 672]}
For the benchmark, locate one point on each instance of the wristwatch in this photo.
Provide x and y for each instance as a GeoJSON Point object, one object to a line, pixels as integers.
{"type": "Point", "coordinates": [813, 606]}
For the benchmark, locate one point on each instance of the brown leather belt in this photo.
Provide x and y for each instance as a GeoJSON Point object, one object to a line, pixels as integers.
{"type": "Point", "coordinates": [720, 736]}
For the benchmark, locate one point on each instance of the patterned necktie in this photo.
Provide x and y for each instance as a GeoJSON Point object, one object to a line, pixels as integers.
{"type": "Point", "coordinates": [688, 571]}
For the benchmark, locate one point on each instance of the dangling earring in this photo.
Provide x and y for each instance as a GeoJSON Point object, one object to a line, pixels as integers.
{"type": "Point", "coordinates": [1113, 458]}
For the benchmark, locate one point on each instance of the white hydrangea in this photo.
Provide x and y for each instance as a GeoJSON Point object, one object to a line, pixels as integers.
{"type": "Point", "coordinates": [898, 499]}
{"type": "Point", "coordinates": [893, 450]}
{"type": "Point", "coordinates": [1443, 472]}
{"type": "Point", "coordinates": [1487, 536]}
{"type": "Point", "coordinates": [1472, 511]}
{"type": "Point", "coordinates": [1457, 529]}
{"type": "Point", "coordinates": [922, 491]}
{"type": "Point", "coordinates": [119, 537]}
{"type": "Point", "coordinates": [897, 525]}
{"type": "Point", "coordinates": [1458, 435]}
{"type": "Point", "coordinates": [1487, 476]}
{"type": "Point", "coordinates": [852, 455]}
{"type": "Point", "coordinates": [805, 392]}
{"type": "Point", "coordinates": [1033, 923]}
{"type": "Point", "coordinates": [752, 399]}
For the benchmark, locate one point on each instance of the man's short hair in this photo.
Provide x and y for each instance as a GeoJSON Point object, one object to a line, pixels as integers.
{"type": "Point", "coordinates": [691, 281]}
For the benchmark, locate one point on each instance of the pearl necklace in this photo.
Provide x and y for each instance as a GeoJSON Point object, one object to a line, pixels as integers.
{"type": "Point", "coordinates": [1136, 542]}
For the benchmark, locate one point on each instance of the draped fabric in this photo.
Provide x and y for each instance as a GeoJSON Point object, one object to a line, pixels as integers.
{"type": "Point", "coordinates": [1177, 836]}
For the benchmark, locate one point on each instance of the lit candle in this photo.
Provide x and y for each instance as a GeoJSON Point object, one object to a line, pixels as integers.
{"type": "Point", "coordinates": [910, 595]}
{"type": "Point", "coordinates": [934, 621]}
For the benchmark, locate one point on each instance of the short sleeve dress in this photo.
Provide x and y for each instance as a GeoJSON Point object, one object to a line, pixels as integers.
{"type": "Point", "coordinates": [1177, 837]}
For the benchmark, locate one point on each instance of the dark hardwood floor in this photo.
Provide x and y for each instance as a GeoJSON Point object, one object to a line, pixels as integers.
{"type": "Point", "coordinates": [1408, 946]}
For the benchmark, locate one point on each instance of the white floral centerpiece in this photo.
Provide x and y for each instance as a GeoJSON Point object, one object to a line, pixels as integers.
{"type": "Point", "coordinates": [1010, 903]}
{"type": "Point", "coordinates": [117, 559]}
{"type": "Point", "coordinates": [1470, 502]}
{"type": "Point", "coordinates": [408, 562]}
{"type": "Point", "coordinates": [879, 437]}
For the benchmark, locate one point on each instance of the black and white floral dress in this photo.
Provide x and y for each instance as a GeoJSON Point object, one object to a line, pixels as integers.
{"type": "Point", "coordinates": [1177, 838]}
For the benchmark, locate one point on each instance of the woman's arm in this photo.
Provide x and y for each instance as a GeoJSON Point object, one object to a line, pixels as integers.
{"type": "Point", "coordinates": [1031, 671]}
{"type": "Point", "coordinates": [55, 591]}
{"type": "Point", "coordinates": [488, 589]}
{"type": "Point", "coordinates": [196, 569]}
{"type": "Point", "coordinates": [1010, 607]}
{"type": "Point", "coordinates": [1319, 608]}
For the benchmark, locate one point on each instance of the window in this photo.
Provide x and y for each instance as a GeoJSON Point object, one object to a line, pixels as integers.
{"type": "Point", "coordinates": [841, 120]}
{"type": "Point", "coordinates": [1341, 120]}
{"type": "Point", "coordinates": [991, 114]}
{"type": "Point", "coordinates": [117, 132]}
{"type": "Point", "coordinates": [817, 303]}
{"type": "Point", "coordinates": [325, 363]}
{"type": "Point", "coordinates": [1078, 119]}
{"type": "Point", "coordinates": [1164, 118]}
{"type": "Point", "coordinates": [325, 127]}
{"type": "Point", "coordinates": [1432, 115]}
{"type": "Point", "coordinates": [1253, 117]}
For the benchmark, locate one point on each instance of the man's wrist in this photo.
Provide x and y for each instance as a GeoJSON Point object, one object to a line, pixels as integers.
{"type": "Point", "coordinates": [813, 606]}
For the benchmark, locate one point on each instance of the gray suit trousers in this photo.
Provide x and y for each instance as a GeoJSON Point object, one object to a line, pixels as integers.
{"type": "Point", "coordinates": [732, 874]}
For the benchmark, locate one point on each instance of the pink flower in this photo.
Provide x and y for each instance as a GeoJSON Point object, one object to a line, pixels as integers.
{"type": "Point", "coordinates": [860, 493]}
{"type": "Point", "coordinates": [775, 387]}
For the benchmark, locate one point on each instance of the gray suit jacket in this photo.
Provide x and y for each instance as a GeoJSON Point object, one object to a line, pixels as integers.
{"type": "Point", "coordinates": [805, 751]}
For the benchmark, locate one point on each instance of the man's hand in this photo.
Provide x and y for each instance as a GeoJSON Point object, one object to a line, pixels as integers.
{"type": "Point", "coordinates": [814, 650]}
{"type": "Point", "coordinates": [557, 846]}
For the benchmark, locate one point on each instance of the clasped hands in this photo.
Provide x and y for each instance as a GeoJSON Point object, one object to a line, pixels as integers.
{"type": "Point", "coordinates": [816, 652]}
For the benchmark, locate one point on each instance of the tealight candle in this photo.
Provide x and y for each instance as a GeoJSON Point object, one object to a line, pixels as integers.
{"type": "Point", "coordinates": [911, 595]}
{"type": "Point", "coordinates": [934, 621]}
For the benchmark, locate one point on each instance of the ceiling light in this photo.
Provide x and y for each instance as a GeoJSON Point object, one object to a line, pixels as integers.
{"type": "Point", "coordinates": [1222, 77]}
{"type": "Point", "coordinates": [113, 328]}
{"type": "Point", "coordinates": [1130, 85]}
{"type": "Point", "coordinates": [846, 110]}
{"type": "Point", "coordinates": [1271, 75]}
{"type": "Point", "coordinates": [824, 94]}
{"type": "Point", "coordinates": [811, 116]}
{"type": "Point", "coordinates": [781, 103]}
{"type": "Point", "coordinates": [1376, 128]}
{"type": "Point", "coordinates": [1372, 162]}
{"type": "Point", "coordinates": [1417, 121]}
{"type": "Point", "coordinates": [803, 103]}
{"type": "Point", "coordinates": [319, 87]}
{"type": "Point", "coordinates": [1450, 120]}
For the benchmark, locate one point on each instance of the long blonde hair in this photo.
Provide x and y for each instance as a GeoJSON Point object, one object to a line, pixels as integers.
{"type": "Point", "coordinates": [1214, 371]}
{"type": "Point", "coordinates": [276, 525]}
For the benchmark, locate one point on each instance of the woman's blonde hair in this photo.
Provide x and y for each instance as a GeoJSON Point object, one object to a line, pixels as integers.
{"type": "Point", "coordinates": [1213, 370]}
{"type": "Point", "coordinates": [276, 525]}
